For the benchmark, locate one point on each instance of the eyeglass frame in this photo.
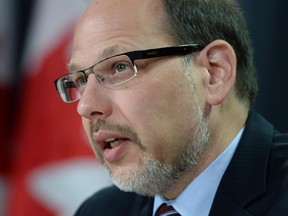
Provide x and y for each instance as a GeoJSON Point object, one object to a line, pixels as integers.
{"type": "Point", "coordinates": [133, 56]}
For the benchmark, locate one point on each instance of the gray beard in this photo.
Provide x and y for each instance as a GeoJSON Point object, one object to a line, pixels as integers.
{"type": "Point", "coordinates": [154, 177]}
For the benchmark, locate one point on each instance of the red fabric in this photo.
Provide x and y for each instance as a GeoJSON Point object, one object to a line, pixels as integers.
{"type": "Point", "coordinates": [48, 130]}
{"type": "Point", "coordinates": [4, 122]}
{"type": "Point", "coordinates": [6, 70]}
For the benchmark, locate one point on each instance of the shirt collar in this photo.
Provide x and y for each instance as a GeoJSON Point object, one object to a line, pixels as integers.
{"type": "Point", "coordinates": [198, 196]}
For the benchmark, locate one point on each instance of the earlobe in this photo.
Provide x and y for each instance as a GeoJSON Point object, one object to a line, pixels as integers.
{"type": "Point", "coordinates": [220, 60]}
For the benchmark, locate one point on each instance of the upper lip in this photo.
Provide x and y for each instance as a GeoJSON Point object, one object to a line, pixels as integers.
{"type": "Point", "coordinates": [103, 137]}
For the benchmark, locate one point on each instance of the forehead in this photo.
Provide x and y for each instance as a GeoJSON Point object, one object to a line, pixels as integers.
{"type": "Point", "coordinates": [123, 11]}
{"type": "Point", "coordinates": [122, 23]}
{"type": "Point", "coordinates": [105, 16]}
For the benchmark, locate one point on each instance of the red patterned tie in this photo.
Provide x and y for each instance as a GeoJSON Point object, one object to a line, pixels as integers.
{"type": "Point", "coordinates": [165, 210]}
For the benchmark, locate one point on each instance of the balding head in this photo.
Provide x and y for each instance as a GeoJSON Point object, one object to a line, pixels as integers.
{"type": "Point", "coordinates": [126, 24]}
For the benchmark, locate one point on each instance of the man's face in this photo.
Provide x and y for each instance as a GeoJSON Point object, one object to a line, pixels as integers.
{"type": "Point", "coordinates": [151, 129]}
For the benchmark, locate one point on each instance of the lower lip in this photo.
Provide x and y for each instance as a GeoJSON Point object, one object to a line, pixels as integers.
{"type": "Point", "coordinates": [114, 154]}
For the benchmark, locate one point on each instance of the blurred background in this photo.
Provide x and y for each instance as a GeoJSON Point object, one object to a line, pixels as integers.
{"type": "Point", "coordinates": [46, 165]}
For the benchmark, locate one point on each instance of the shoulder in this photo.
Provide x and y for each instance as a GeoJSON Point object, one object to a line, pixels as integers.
{"type": "Point", "coordinates": [111, 200]}
{"type": "Point", "coordinates": [279, 155]}
{"type": "Point", "coordinates": [267, 142]}
{"type": "Point", "coordinates": [276, 196]}
{"type": "Point", "coordinates": [280, 141]}
{"type": "Point", "coordinates": [257, 176]}
{"type": "Point", "coordinates": [277, 175]}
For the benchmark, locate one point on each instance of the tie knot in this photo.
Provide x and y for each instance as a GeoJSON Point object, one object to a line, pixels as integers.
{"type": "Point", "coordinates": [166, 210]}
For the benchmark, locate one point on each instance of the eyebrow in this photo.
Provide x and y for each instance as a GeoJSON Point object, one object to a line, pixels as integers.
{"type": "Point", "coordinates": [106, 53]}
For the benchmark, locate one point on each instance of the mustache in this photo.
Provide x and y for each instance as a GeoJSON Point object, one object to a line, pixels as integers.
{"type": "Point", "coordinates": [125, 130]}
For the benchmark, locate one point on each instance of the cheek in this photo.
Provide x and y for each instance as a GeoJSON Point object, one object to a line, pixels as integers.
{"type": "Point", "coordinates": [158, 114]}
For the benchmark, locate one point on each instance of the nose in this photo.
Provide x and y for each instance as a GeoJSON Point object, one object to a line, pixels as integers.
{"type": "Point", "coordinates": [94, 102]}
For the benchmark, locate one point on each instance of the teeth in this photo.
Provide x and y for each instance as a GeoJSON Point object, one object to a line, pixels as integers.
{"type": "Point", "coordinates": [114, 143]}
{"type": "Point", "coordinates": [110, 139]}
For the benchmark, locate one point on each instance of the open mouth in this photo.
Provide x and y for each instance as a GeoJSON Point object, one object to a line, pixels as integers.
{"type": "Point", "coordinates": [113, 142]}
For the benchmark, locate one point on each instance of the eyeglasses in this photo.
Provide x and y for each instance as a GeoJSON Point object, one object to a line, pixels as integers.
{"type": "Point", "coordinates": [114, 70]}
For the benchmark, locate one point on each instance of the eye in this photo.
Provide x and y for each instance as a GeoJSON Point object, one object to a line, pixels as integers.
{"type": "Point", "coordinates": [121, 67]}
{"type": "Point", "coordinates": [68, 84]}
{"type": "Point", "coordinates": [80, 81]}
{"type": "Point", "coordinates": [77, 79]}
{"type": "Point", "coordinates": [114, 70]}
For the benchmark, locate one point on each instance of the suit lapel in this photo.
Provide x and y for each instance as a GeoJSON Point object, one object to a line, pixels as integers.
{"type": "Point", "coordinates": [245, 177]}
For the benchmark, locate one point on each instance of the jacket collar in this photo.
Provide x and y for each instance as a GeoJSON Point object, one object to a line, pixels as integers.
{"type": "Point", "coordinates": [245, 177]}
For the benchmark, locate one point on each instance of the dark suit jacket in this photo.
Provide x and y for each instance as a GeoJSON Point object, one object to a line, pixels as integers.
{"type": "Point", "coordinates": [255, 182]}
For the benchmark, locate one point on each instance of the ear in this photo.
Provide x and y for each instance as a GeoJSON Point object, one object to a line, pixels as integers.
{"type": "Point", "coordinates": [220, 60]}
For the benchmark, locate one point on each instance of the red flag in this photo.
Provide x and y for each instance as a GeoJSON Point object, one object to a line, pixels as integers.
{"type": "Point", "coordinates": [54, 169]}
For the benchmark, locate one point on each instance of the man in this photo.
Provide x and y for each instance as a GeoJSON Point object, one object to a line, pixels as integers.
{"type": "Point", "coordinates": [166, 88]}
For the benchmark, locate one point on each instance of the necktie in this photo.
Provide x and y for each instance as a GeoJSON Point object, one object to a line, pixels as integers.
{"type": "Point", "coordinates": [165, 210]}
